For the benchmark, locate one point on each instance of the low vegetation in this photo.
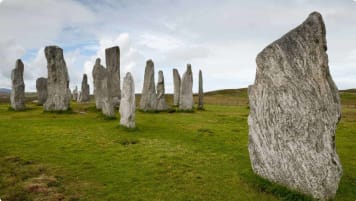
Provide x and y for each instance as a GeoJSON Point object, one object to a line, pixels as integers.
{"type": "Point", "coordinates": [170, 156]}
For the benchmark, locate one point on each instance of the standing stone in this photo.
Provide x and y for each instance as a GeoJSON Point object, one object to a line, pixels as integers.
{"type": "Point", "coordinates": [161, 98]}
{"type": "Point", "coordinates": [128, 103]}
{"type": "Point", "coordinates": [99, 74]}
{"type": "Point", "coordinates": [75, 94]}
{"type": "Point", "coordinates": [148, 100]}
{"type": "Point", "coordinates": [85, 92]}
{"type": "Point", "coordinates": [113, 67]}
{"type": "Point", "coordinates": [58, 98]}
{"type": "Point", "coordinates": [186, 101]}
{"type": "Point", "coordinates": [41, 86]}
{"type": "Point", "coordinates": [176, 83]}
{"type": "Point", "coordinates": [200, 92]}
{"type": "Point", "coordinates": [17, 95]}
{"type": "Point", "coordinates": [294, 110]}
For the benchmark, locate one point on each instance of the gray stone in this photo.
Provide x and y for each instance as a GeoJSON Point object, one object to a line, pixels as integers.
{"type": "Point", "coordinates": [113, 67]}
{"type": "Point", "coordinates": [85, 92]}
{"type": "Point", "coordinates": [294, 110]}
{"type": "Point", "coordinates": [17, 95]}
{"type": "Point", "coordinates": [58, 98]}
{"type": "Point", "coordinates": [186, 101]}
{"type": "Point", "coordinates": [99, 74]}
{"type": "Point", "coordinates": [128, 103]}
{"type": "Point", "coordinates": [148, 100]}
{"type": "Point", "coordinates": [201, 92]}
{"type": "Point", "coordinates": [41, 86]}
{"type": "Point", "coordinates": [161, 98]}
{"type": "Point", "coordinates": [176, 83]}
{"type": "Point", "coordinates": [75, 94]}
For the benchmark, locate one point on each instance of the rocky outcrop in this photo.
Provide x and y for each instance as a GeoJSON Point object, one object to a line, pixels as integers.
{"type": "Point", "coordinates": [200, 92]}
{"type": "Point", "coordinates": [148, 100]}
{"type": "Point", "coordinates": [294, 110]}
{"type": "Point", "coordinates": [85, 92]}
{"type": "Point", "coordinates": [128, 104]}
{"type": "Point", "coordinates": [186, 101]}
{"type": "Point", "coordinates": [58, 98]}
{"type": "Point", "coordinates": [113, 67]}
{"type": "Point", "coordinates": [176, 85]}
{"type": "Point", "coordinates": [41, 86]}
{"type": "Point", "coordinates": [161, 98]}
{"type": "Point", "coordinates": [17, 95]}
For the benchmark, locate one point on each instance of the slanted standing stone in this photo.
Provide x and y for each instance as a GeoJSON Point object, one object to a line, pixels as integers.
{"type": "Point", "coordinates": [85, 92]}
{"type": "Point", "coordinates": [148, 100]}
{"type": "Point", "coordinates": [176, 83]}
{"type": "Point", "coordinates": [200, 92]}
{"type": "Point", "coordinates": [113, 67]}
{"type": "Point", "coordinates": [186, 101]}
{"type": "Point", "coordinates": [41, 86]}
{"type": "Point", "coordinates": [128, 105]}
{"type": "Point", "coordinates": [294, 110]}
{"type": "Point", "coordinates": [75, 94]}
{"type": "Point", "coordinates": [161, 98]}
{"type": "Point", "coordinates": [17, 95]}
{"type": "Point", "coordinates": [58, 98]}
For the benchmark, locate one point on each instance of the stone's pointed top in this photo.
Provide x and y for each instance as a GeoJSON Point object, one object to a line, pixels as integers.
{"type": "Point", "coordinates": [149, 62]}
{"type": "Point", "coordinates": [85, 78]}
{"type": "Point", "coordinates": [189, 68]}
{"type": "Point", "coordinates": [97, 61]}
{"type": "Point", "coordinates": [19, 64]}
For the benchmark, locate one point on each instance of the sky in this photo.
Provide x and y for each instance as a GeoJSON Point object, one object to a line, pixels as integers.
{"type": "Point", "coordinates": [222, 38]}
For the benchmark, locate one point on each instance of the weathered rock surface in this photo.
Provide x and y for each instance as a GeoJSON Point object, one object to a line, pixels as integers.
{"type": "Point", "coordinates": [41, 86]}
{"type": "Point", "coordinates": [161, 98]}
{"type": "Point", "coordinates": [176, 85]}
{"type": "Point", "coordinates": [186, 101]}
{"type": "Point", "coordinates": [148, 100]}
{"type": "Point", "coordinates": [113, 67]}
{"type": "Point", "coordinates": [294, 110]}
{"type": "Point", "coordinates": [75, 94]}
{"type": "Point", "coordinates": [201, 92]}
{"type": "Point", "coordinates": [99, 74]}
{"type": "Point", "coordinates": [17, 95]}
{"type": "Point", "coordinates": [58, 98]}
{"type": "Point", "coordinates": [85, 92]}
{"type": "Point", "coordinates": [128, 104]}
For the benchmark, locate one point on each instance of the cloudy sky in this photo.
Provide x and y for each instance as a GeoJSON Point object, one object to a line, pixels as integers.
{"type": "Point", "coordinates": [220, 37]}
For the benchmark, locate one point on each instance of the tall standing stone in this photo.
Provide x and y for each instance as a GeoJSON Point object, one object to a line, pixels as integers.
{"type": "Point", "coordinates": [186, 101]}
{"type": "Point", "coordinates": [41, 86]}
{"type": "Point", "coordinates": [128, 103]}
{"type": "Point", "coordinates": [294, 110]}
{"type": "Point", "coordinates": [17, 95]}
{"type": "Point", "coordinates": [113, 67]}
{"type": "Point", "coordinates": [85, 92]}
{"type": "Point", "coordinates": [148, 100]}
{"type": "Point", "coordinates": [201, 92]}
{"type": "Point", "coordinates": [58, 98]}
{"type": "Point", "coordinates": [75, 94]}
{"type": "Point", "coordinates": [161, 97]}
{"type": "Point", "coordinates": [99, 74]}
{"type": "Point", "coordinates": [176, 83]}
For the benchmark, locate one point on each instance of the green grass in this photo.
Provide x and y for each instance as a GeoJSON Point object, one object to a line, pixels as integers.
{"type": "Point", "coordinates": [169, 156]}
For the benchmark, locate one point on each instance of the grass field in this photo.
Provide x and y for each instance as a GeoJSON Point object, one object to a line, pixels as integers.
{"type": "Point", "coordinates": [80, 155]}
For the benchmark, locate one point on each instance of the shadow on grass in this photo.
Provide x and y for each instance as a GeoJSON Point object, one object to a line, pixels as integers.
{"type": "Point", "coordinates": [23, 110]}
{"type": "Point", "coordinates": [266, 186]}
{"type": "Point", "coordinates": [125, 129]}
{"type": "Point", "coordinates": [69, 111]}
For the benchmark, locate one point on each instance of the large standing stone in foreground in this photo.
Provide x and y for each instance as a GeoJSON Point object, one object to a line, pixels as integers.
{"type": "Point", "coordinates": [75, 94]}
{"type": "Point", "coordinates": [176, 85]}
{"type": "Point", "coordinates": [161, 98]}
{"type": "Point", "coordinates": [113, 67]}
{"type": "Point", "coordinates": [17, 95]}
{"type": "Point", "coordinates": [200, 92]}
{"type": "Point", "coordinates": [128, 103]}
{"type": "Point", "coordinates": [58, 98]}
{"type": "Point", "coordinates": [186, 101]}
{"type": "Point", "coordinates": [85, 92]}
{"type": "Point", "coordinates": [41, 86]}
{"type": "Point", "coordinates": [294, 110]}
{"type": "Point", "coordinates": [148, 100]}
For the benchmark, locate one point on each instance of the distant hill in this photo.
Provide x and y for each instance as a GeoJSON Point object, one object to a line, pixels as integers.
{"type": "Point", "coordinates": [4, 91]}
{"type": "Point", "coordinates": [349, 90]}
